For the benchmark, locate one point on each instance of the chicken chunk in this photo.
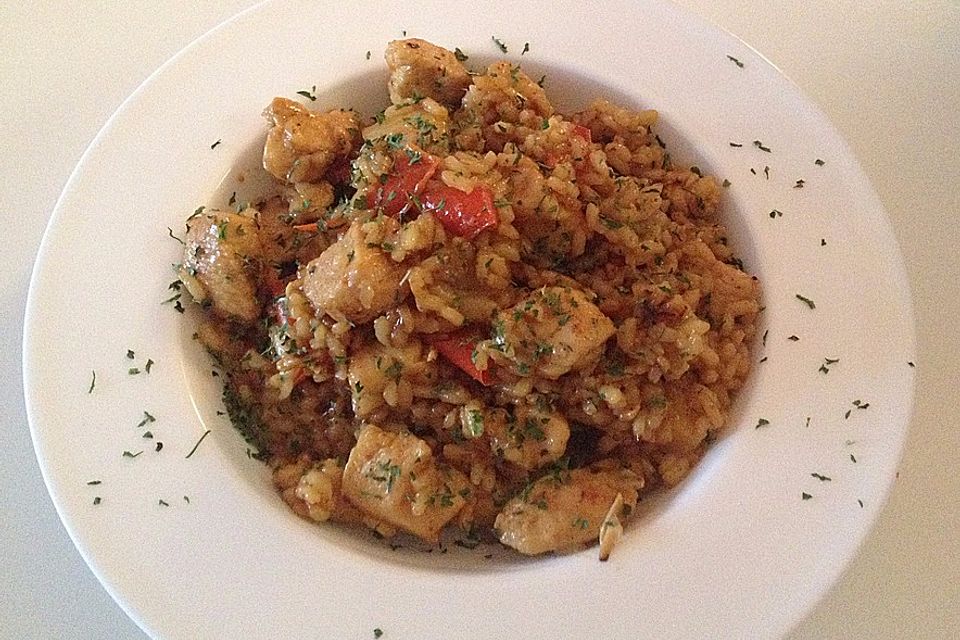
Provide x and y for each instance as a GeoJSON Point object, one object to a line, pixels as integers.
{"type": "Point", "coordinates": [566, 509]}
{"type": "Point", "coordinates": [302, 145]}
{"type": "Point", "coordinates": [393, 477]}
{"type": "Point", "coordinates": [373, 369]}
{"type": "Point", "coordinates": [220, 263]}
{"type": "Point", "coordinates": [419, 69]}
{"type": "Point", "coordinates": [320, 490]}
{"type": "Point", "coordinates": [353, 280]}
{"type": "Point", "coordinates": [530, 438]}
{"type": "Point", "coordinates": [553, 331]}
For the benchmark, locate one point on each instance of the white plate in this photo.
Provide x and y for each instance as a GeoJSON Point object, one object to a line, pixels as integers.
{"type": "Point", "coordinates": [734, 552]}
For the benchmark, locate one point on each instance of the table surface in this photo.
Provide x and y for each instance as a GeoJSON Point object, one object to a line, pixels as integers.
{"type": "Point", "coordinates": [887, 73]}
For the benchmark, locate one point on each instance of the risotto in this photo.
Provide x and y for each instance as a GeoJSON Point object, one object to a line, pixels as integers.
{"type": "Point", "coordinates": [472, 313]}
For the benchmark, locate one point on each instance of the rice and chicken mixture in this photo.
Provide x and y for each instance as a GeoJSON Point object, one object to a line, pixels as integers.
{"type": "Point", "coordinates": [471, 312]}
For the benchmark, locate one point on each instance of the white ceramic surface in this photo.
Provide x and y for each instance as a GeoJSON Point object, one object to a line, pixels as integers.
{"type": "Point", "coordinates": [736, 551]}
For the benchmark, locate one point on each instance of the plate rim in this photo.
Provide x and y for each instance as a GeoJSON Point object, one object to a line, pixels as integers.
{"type": "Point", "coordinates": [76, 176]}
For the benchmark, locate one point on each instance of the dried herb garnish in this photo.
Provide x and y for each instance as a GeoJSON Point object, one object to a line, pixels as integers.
{"type": "Point", "coordinates": [192, 451]}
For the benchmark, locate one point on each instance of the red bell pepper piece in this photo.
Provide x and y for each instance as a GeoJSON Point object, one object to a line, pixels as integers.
{"type": "Point", "coordinates": [458, 349]}
{"type": "Point", "coordinates": [396, 195]}
{"type": "Point", "coordinates": [582, 132]}
{"type": "Point", "coordinates": [408, 185]}
{"type": "Point", "coordinates": [462, 214]}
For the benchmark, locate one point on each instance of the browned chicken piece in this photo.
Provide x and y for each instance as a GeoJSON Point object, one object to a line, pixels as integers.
{"type": "Point", "coordinates": [315, 491]}
{"type": "Point", "coordinates": [302, 144]}
{"type": "Point", "coordinates": [419, 69]}
{"type": "Point", "coordinates": [353, 280]}
{"type": "Point", "coordinates": [566, 509]}
{"type": "Point", "coordinates": [551, 332]}
{"type": "Point", "coordinates": [221, 263]}
{"type": "Point", "coordinates": [374, 369]}
{"type": "Point", "coordinates": [393, 477]}
{"type": "Point", "coordinates": [530, 438]}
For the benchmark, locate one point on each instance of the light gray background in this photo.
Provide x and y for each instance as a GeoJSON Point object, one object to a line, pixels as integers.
{"type": "Point", "coordinates": [887, 74]}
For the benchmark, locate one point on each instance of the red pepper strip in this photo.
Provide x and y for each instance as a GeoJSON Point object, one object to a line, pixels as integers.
{"type": "Point", "coordinates": [458, 349]}
{"type": "Point", "coordinates": [582, 132]}
{"type": "Point", "coordinates": [462, 214]}
{"type": "Point", "coordinates": [406, 180]}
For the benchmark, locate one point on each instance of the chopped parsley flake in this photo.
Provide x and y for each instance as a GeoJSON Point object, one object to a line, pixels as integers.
{"type": "Point", "coordinates": [205, 434]}
{"type": "Point", "coordinates": [761, 146]}
{"type": "Point", "coordinates": [762, 422]}
{"type": "Point", "coordinates": [378, 631]}
{"type": "Point", "coordinates": [805, 496]}
{"type": "Point", "coordinates": [147, 418]}
{"type": "Point", "coordinates": [819, 162]}
{"type": "Point", "coordinates": [497, 41]}
{"type": "Point", "coordinates": [163, 503]}
{"type": "Point", "coordinates": [133, 371]}
{"type": "Point", "coordinates": [127, 454]}
{"type": "Point", "coordinates": [394, 140]}
{"type": "Point", "coordinates": [149, 365]}
{"type": "Point", "coordinates": [309, 95]}
{"type": "Point", "coordinates": [806, 301]}
{"type": "Point", "coordinates": [821, 477]}
{"type": "Point", "coordinates": [170, 233]}
{"type": "Point", "coordinates": [827, 363]}
{"type": "Point", "coordinates": [93, 380]}
{"type": "Point", "coordinates": [776, 213]}
{"type": "Point", "coordinates": [736, 145]}
{"type": "Point", "coordinates": [735, 61]}
{"type": "Point", "coordinates": [857, 404]}
{"type": "Point", "coordinates": [216, 144]}
{"type": "Point", "coordinates": [526, 48]}
{"type": "Point", "coordinates": [460, 55]}
{"type": "Point", "coordinates": [93, 483]}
